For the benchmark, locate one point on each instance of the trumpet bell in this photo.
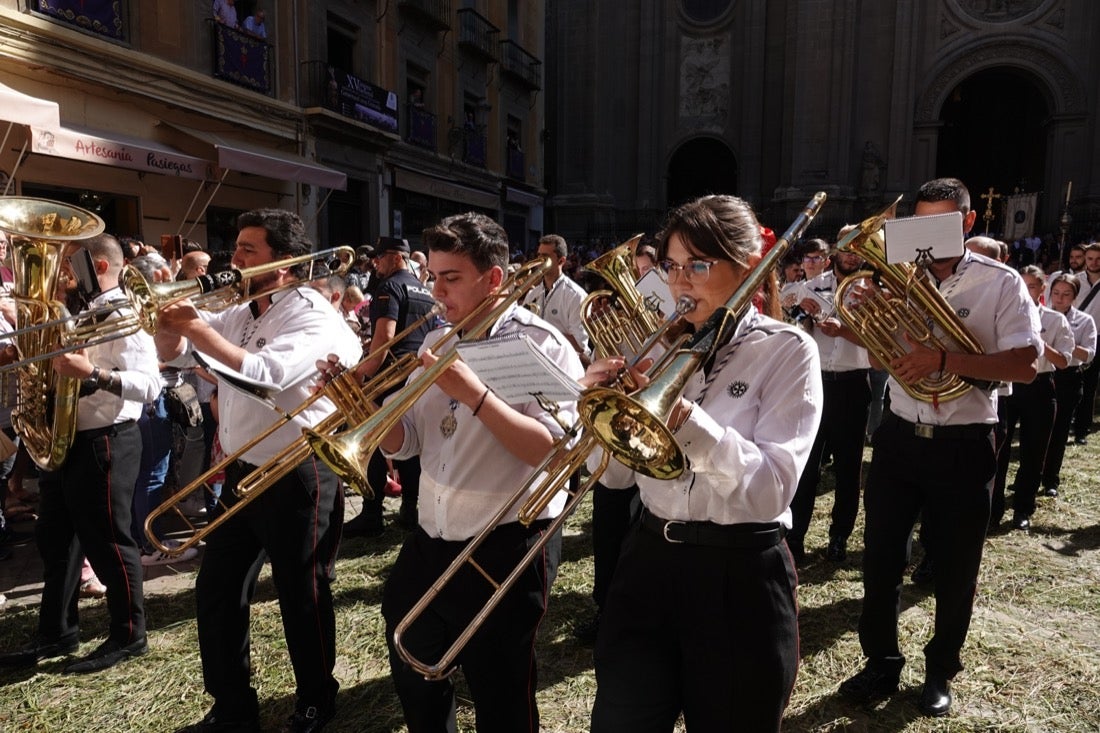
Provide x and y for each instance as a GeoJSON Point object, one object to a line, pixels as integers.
{"type": "Point", "coordinates": [347, 454]}
{"type": "Point", "coordinates": [634, 430]}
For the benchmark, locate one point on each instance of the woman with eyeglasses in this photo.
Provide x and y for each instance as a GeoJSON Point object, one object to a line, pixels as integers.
{"type": "Point", "coordinates": [1067, 382]}
{"type": "Point", "coordinates": [701, 618]}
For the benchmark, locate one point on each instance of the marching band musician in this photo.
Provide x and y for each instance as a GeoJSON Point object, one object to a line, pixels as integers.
{"type": "Point", "coordinates": [475, 450]}
{"type": "Point", "coordinates": [560, 297]}
{"type": "Point", "coordinates": [938, 461]}
{"type": "Point", "coordinates": [701, 615]}
{"type": "Point", "coordinates": [295, 523]}
{"type": "Point", "coordinates": [85, 504]}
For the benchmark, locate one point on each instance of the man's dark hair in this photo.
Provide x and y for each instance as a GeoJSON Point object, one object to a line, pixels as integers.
{"type": "Point", "coordinates": [105, 247]}
{"type": "Point", "coordinates": [286, 234]}
{"type": "Point", "coordinates": [471, 234]}
{"type": "Point", "coordinates": [561, 249]}
{"type": "Point", "coordinates": [809, 246]}
{"type": "Point", "coordinates": [946, 189]}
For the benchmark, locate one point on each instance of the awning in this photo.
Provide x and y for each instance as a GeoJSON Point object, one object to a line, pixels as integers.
{"type": "Point", "coordinates": [23, 109]}
{"type": "Point", "coordinates": [235, 155]}
{"type": "Point", "coordinates": [442, 189]}
{"type": "Point", "coordinates": [120, 151]}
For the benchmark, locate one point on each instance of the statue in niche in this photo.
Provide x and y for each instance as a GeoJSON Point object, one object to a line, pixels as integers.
{"type": "Point", "coordinates": [872, 166]}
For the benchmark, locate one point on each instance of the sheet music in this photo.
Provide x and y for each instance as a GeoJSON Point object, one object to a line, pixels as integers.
{"type": "Point", "coordinates": [938, 235]}
{"type": "Point", "coordinates": [516, 370]}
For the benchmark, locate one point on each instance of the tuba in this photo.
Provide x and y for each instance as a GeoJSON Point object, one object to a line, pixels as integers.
{"type": "Point", "coordinates": [624, 326]}
{"type": "Point", "coordinates": [914, 308]}
{"type": "Point", "coordinates": [44, 414]}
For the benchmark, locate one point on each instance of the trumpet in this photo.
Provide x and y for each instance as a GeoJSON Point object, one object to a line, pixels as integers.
{"type": "Point", "coordinates": [554, 472]}
{"type": "Point", "coordinates": [348, 453]}
{"type": "Point", "coordinates": [353, 403]}
{"type": "Point", "coordinates": [139, 310]}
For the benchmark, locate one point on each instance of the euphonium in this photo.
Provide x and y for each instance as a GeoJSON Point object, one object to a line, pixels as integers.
{"type": "Point", "coordinates": [634, 428]}
{"type": "Point", "coordinates": [914, 307]}
{"type": "Point", "coordinates": [625, 325]}
{"type": "Point", "coordinates": [44, 415]}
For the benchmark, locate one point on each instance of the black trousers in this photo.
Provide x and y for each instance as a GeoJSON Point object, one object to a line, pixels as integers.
{"type": "Point", "coordinates": [1082, 419]}
{"type": "Point", "coordinates": [296, 524]}
{"type": "Point", "coordinates": [85, 511]}
{"type": "Point", "coordinates": [1067, 395]}
{"type": "Point", "coordinates": [709, 631]}
{"type": "Point", "coordinates": [1031, 406]}
{"type": "Point", "coordinates": [847, 398]}
{"type": "Point", "coordinates": [614, 511]}
{"type": "Point", "coordinates": [947, 482]}
{"type": "Point", "coordinates": [377, 470]}
{"type": "Point", "coordinates": [499, 661]}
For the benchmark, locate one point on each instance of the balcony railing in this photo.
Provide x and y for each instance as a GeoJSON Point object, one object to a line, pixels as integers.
{"type": "Point", "coordinates": [521, 65]}
{"type": "Point", "coordinates": [436, 14]}
{"type": "Point", "coordinates": [102, 17]}
{"type": "Point", "coordinates": [470, 143]}
{"type": "Point", "coordinates": [477, 35]}
{"type": "Point", "coordinates": [421, 130]}
{"type": "Point", "coordinates": [241, 58]}
{"type": "Point", "coordinates": [346, 94]}
{"type": "Point", "coordinates": [515, 165]}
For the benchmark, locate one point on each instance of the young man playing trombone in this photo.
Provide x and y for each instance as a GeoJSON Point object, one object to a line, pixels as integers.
{"type": "Point", "coordinates": [296, 523]}
{"type": "Point", "coordinates": [475, 450]}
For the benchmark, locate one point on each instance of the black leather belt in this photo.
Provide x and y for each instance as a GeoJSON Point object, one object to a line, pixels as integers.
{"type": "Point", "coordinates": [971, 431]}
{"type": "Point", "coordinates": [747, 536]}
{"type": "Point", "coordinates": [843, 376]}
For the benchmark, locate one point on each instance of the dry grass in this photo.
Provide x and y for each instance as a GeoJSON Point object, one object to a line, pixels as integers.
{"type": "Point", "coordinates": [1032, 656]}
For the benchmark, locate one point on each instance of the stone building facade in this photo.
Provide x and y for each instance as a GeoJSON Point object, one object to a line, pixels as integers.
{"type": "Point", "coordinates": [654, 102]}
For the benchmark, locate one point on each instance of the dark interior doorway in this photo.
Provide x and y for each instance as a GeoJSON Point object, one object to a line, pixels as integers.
{"type": "Point", "coordinates": [993, 134]}
{"type": "Point", "coordinates": [699, 167]}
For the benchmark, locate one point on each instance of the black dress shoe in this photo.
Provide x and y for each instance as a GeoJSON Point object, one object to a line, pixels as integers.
{"type": "Point", "coordinates": [585, 631]}
{"type": "Point", "coordinates": [935, 698]}
{"type": "Point", "coordinates": [837, 550]}
{"type": "Point", "coordinates": [107, 654]}
{"type": "Point", "coordinates": [362, 527]}
{"type": "Point", "coordinates": [870, 683]}
{"type": "Point", "coordinates": [37, 650]}
{"type": "Point", "coordinates": [310, 720]}
{"type": "Point", "coordinates": [211, 723]}
{"type": "Point", "coordinates": [1050, 491]}
{"type": "Point", "coordinates": [1021, 522]}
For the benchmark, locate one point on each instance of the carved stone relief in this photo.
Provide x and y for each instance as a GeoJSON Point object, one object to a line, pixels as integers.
{"type": "Point", "coordinates": [997, 11]}
{"type": "Point", "coordinates": [704, 79]}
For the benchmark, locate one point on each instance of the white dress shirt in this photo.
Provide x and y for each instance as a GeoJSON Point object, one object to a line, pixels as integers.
{"type": "Point", "coordinates": [837, 354]}
{"type": "Point", "coordinates": [748, 438]}
{"type": "Point", "coordinates": [465, 478]}
{"type": "Point", "coordinates": [1084, 335]}
{"type": "Point", "coordinates": [992, 302]}
{"type": "Point", "coordinates": [134, 360]}
{"type": "Point", "coordinates": [283, 345]}
{"type": "Point", "coordinates": [560, 306]}
{"type": "Point", "coordinates": [1093, 308]}
{"type": "Point", "coordinates": [1056, 333]}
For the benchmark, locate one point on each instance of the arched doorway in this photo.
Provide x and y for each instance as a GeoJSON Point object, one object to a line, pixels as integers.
{"type": "Point", "coordinates": [993, 133]}
{"type": "Point", "coordinates": [698, 167]}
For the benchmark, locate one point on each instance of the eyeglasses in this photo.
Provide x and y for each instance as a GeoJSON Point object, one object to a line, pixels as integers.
{"type": "Point", "coordinates": [696, 271]}
{"type": "Point", "coordinates": [814, 258]}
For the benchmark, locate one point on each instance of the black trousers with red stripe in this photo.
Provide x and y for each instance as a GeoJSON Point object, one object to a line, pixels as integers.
{"type": "Point", "coordinates": [296, 524]}
{"type": "Point", "coordinates": [499, 661]}
{"type": "Point", "coordinates": [85, 512]}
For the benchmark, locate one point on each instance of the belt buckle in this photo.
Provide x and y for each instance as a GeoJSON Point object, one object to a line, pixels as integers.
{"type": "Point", "coordinates": [664, 531]}
{"type": "Point", "coordinates": [923, 430]}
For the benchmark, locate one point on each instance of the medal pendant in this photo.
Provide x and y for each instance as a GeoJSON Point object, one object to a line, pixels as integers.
{"type": "Point", "coordinates": [448, 425]}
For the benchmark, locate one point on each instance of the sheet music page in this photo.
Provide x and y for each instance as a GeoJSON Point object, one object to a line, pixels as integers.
{"type": "Point", "coordinates": [516, 370]}
{"type": "Point", "coordinates": [940, 235]}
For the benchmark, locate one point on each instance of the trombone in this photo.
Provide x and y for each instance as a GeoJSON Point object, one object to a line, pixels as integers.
{"type": "Point", "coordinates": [348, 453]}
{"type": "Point", "coordinates": [211, 293]}
{"type": "Point", "coordinates": [554, 473]}
{"type": "Point", "coordinates": [352, 401]}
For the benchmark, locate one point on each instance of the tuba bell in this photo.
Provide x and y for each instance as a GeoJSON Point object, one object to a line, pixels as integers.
{"type": "Point", "coordinates": [913, 307]}
{"type": "Point", "coordinates": [44, 414]}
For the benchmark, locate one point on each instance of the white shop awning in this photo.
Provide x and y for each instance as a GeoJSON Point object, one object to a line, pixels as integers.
{"type": "Point", "coordinates": [119, 151]}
